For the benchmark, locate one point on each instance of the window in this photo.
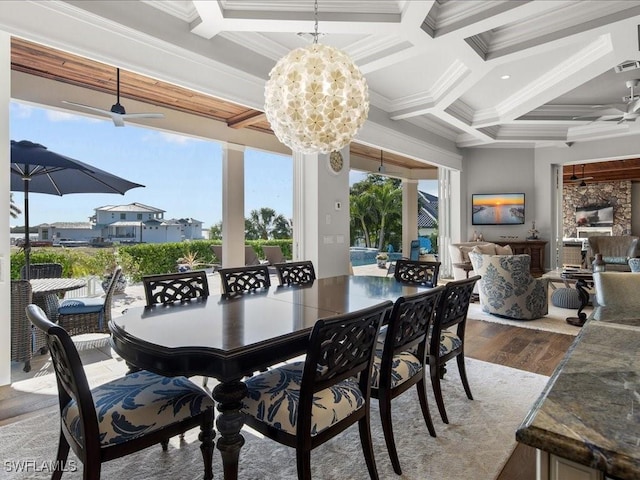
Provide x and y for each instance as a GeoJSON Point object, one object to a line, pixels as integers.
{"type": "Point", "coordinates": [139, 216]}
{"type": "Point", "coordinates": [123, 216]}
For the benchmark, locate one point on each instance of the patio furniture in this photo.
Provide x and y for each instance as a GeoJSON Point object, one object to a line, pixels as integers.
{"type": "Point", "coordinates": [41, 270]}
{"type": "Point", "coordinates": [217, 251]}
{"type": "Point", "coordinates": [273, 254]}
{"type": "Point", "coordinates": [420, 273]}
{"type": "Point", "coordinates": [251, 257]}
{"type": "Point", "coordinates": [414, 254]}
{"type": "Point", "coordinates": [304, 404]}
{"type": "Point", "coordinates": [88, 314]}
{"type": "Point", "coordinates": [175, 287]}
{"type": "Point", "coordinates": [445, 344]}
{"type": "Point", "coordinates": [48, 291]}
{"type": "Point", "coordinates": [25, 339]}
{"type": "Point", "coordinates": [508, 289]}
{"type": "Point", "coordinates": [295, 273]}
{"type": "Point", "coordinates": [400, 359]}
{"type": "Point", "coordinates": [122, 416]}
{"type": "Point", "coordinates": [239, 280]}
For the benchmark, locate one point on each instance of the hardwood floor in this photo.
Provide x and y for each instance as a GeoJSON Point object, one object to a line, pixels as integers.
{"type": "Point", "coordinates": [525, 349]}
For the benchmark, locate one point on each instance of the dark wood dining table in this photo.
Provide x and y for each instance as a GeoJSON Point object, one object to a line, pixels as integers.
{"type": "Point", "coordinates": [229, 338]}
{"type": "Point", "coordinates": [46, 290]}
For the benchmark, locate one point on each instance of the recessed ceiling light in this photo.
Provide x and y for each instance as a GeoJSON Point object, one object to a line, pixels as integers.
{"type": "Point", "coordinates": [505, 77]}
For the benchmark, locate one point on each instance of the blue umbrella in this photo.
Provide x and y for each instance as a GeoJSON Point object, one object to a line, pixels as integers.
{"type": "Point", "coordinates": [36, 169]}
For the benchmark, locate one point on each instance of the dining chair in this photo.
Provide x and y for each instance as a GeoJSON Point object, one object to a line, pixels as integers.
{"type": "Point", "coordinates": [42, 270]}
{"type": "Point", "coordinates": [304, 404]}
{"type": "Point", "coordinates": [445, 344]}
{"type": "Point", "coordinates": [88, 314]}
{"type": "Point", "coordinates": [416, 272]}
{"type": "Point", "coordinates": [400, 360]}
{"type": "Point", "coordinates": [295, 273]}
{"type": "Point", "coordinates": [25, 339]}
{"type": "Point", "coordinates": [273, 254]}
{"type": "Point", "coordinates": [239, 280]}
{"type": "Point", "coordinates": [122, 416]}
{"type": "Point", "coordinates": [175, 287]}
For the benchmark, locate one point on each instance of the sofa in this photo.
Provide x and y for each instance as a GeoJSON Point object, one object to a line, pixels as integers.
{"type": "Point", "coordinates": [459, 253]}
{"type": "Point", "coordinates": [616, 251]}
{"type": "Point", "coordinates": [507, 288]}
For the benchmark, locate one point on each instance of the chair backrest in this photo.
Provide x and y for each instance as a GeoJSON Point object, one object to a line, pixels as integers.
{"type": "Point", "coordinates": [21, 334]}
{"type": "Point", "coordinates": [420, 273]}
{"type": "Point", "coordinates": [250, 256]}
{"type": "Point", "coordinates": [239, 280]}
{"type": "Point", "coordinates": [296, 273]}
{"type": "Point", "coordinates": [217, 251]}
{"type": "Point", "coordinates": [414, 251]}
{"type": "Point", "coordinates": [175, 287]}
{"type": "Point", "coordinates": [617, 289]}
{"type": "Point", "coordinates": [340, 347]}
{"type": "Point", "coordinates": [452, 309]}
{"type": "Point", "coordinates": [42, 270]}
{"type": "Point", "coordinates": [108, 298]}
{"type": "Point", "coordinates": [273, 254]}
{"type": "Point", "coordinates": [408, 328]}
{"type": "Point", "coordinates": [70, 376]}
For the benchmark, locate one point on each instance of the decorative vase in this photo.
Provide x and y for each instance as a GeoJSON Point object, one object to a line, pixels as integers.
{"type": "Point", "coordinates": [121, 284]}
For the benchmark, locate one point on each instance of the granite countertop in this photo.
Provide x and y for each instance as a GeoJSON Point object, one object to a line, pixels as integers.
{"type": "Point", "coordinates": [589, 412]}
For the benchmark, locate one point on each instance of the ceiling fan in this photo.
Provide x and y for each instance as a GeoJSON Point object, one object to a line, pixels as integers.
{"type": "Point", "coordinates": [582, 179]}
{"type": "Point", "coordinates": [613, 112]}
{"type": "Point", "coordinates": [117, 113]}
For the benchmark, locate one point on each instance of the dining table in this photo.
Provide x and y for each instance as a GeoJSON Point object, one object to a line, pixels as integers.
{"type": "Point", "coordinates": [45, 292]}
{"type": "Point", "coordinates": [230, 338]}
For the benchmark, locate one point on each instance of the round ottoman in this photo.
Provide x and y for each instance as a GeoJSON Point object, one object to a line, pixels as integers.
{"type": "Point", "coordinates": [565, 298]}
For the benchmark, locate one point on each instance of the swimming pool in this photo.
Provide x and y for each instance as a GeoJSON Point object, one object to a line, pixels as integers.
{"type": "Point", "coordinates": [367, 256]}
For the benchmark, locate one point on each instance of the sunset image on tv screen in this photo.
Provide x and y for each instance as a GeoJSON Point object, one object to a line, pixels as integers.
{"type": "Point", "coordinates": [498, 209]}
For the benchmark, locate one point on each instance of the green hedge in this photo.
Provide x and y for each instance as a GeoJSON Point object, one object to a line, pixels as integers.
{"type": "Point", "coordinates": [136, 260]}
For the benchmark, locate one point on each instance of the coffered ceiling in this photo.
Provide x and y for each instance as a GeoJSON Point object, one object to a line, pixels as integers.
{"type": "Point", "coordinates": [436, 69]}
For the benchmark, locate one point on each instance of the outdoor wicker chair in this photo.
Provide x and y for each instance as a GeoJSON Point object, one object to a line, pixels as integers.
{"type": "Point", "coordinates": [295, 273]}
{"type": "Point", "coordinates": [175, 287]}
{"type": "Point", "coordinates": [25, 339]}
{"type": "Point", "coordinates": [42, 270]}
{"type": "Point", "coordinates": [88, 314]}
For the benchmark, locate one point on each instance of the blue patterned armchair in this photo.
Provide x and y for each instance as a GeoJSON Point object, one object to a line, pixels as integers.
{"type": "Point", "coordinates": [507, 288]}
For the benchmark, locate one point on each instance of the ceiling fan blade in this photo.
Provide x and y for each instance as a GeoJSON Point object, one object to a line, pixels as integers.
{"type": "Point", "coordinates": [87, 107]}
{"type": "Point", "coordinates": [143, 115]}
{"type": "Point", "coordinates": [118, 121]}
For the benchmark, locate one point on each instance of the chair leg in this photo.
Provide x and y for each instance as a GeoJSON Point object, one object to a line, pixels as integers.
{"type": "Point", "coordinates": [27, 366]}
{"type": "Point", "coordinates": [367, 446]}
{"type": "Point", "coordinates": [165, 444]}
{"type": "Point", "coordinates": [384, 401]}
{"type": "Point", "coordinates": [434, 370]}
{"type": "Point", "coordinates": [422, 396]}
{"type": "Point", "coordinates": [303, 460]}
{"type": "Point", "coordinates": [61, 457]}
{"type": "Point", "coordinates": [206, 436]}
{"type": "Point", "coordinates": [463, 376]}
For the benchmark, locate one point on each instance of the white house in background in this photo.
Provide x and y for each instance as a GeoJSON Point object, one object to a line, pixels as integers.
{"type": "Point", "coordinates": [131, 223]}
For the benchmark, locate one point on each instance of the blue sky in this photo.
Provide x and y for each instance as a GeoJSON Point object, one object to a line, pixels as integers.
{"type": "Point", "coordinates": [182, 175]}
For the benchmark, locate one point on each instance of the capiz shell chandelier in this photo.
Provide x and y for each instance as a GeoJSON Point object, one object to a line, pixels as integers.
{"type": "Point", "coordinates": [316, 98]}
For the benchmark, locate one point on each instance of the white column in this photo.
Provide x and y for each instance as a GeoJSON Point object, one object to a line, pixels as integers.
{"type": "Point", "coordinates": [409, 214]}
{"type": "Point", "coordinates": [321, 213]}
{"type": "Point", "coordinates": [233, 205]}
{"type": "Point", "coordinates": [5, 252]}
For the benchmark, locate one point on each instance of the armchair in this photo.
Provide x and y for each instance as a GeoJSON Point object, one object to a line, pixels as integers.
{"type": "Point", "coordinates": [616, 251]}
{"type": "Point", "coordinates": [507, 288]}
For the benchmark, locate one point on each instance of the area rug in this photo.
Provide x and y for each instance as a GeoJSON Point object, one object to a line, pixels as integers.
{"type": "Point", "coordinates": [554, 321]}
{"type": "Point", "coordinates": [474, 445]}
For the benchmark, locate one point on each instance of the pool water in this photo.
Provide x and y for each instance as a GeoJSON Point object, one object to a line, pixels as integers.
{"type": "Point", "coordinates": [367, 256]}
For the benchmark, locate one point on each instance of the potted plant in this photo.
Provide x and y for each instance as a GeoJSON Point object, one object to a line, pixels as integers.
{"type": "Point", "coordinates": [108, 260]}
{"type": "Point", "coordinates": [382, 258]}
{"type": "Point", "coordinates": [189, 262]}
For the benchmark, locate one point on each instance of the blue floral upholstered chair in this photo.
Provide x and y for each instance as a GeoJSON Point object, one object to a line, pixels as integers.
{"type": "Point", "coordinates": [306, 403]}
{"type": "Point", "coordinates": [124, 415]}
{"type": "Point", "coordinates": [507, 288]}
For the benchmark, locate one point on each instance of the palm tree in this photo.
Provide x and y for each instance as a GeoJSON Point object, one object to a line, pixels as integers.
{"type": "Point", "coordinates": [360, 209]}
{"type": "Point", "coordinates": [265, 224]}
{"type": "Point", "coordinates": [387, 202]}
{"type": "Point", "coordinates": [14, 210]}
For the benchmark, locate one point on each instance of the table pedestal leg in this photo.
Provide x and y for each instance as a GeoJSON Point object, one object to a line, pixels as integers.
{"type": "Point", "coordinates": [228, 397]}
{"type": "Point", "coordinates": [581, 287]}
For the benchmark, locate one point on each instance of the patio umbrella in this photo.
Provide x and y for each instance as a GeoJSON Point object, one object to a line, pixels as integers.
{"type": "Point", "coordinates": [36, 169]}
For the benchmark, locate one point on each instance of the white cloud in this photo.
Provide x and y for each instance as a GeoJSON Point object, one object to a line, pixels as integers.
{"type": "Point", "coordinates": [176, 138]}
{"type": "Point", "coordinates": [59, 116]}
{"type": "Point", "coordinates": [20, 110]}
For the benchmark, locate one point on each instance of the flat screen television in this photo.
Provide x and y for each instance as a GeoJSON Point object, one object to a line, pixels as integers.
{"type": "Point", "coordinates": [594, 216]}
{"type": "Point", "coordinates": [497, 208]}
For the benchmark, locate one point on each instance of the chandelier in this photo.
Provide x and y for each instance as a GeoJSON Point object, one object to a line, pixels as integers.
{"type": "Point", "coordinates": [316, 98]}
